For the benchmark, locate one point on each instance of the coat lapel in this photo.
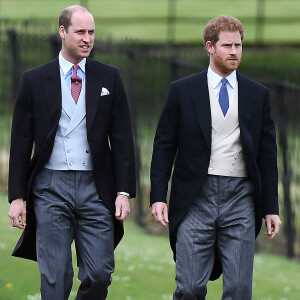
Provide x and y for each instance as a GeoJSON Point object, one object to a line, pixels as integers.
{"type": "Point", "coordinates": [92, 91]}
{"type": "Point", "coordinates": [199, 92]}
{"type": "Point", "coordinates": [52, 86]}
{"type": "Point", "coordinates": [246, 104]}
{"type": "Point", "coordinates": [52, 96]}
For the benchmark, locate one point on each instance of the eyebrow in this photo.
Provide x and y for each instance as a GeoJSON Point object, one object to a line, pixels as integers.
{"type": "Point", "coordinates": [83, 30]}
{"type": "Point", "coordinates": [229, 44]}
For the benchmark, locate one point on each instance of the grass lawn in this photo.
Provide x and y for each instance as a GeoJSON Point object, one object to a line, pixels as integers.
{"type": "Point", "coordinates": [146, 20]}
{"type": "Point", "coordinates": [144, 270]}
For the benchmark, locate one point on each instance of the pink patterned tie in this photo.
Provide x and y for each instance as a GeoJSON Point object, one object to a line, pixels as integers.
{"type": "Point", "coordinates": [75, 84]}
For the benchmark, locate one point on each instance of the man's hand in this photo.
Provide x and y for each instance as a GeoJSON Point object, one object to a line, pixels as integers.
{"type": "Point", "coordinates": [122, 207]}
{"type": "Point", "coordinates": [17, 213]}
{"type": "Point", "coordinates": [160, 213]}
{"type": "Point", "coordinates": [273, 224]}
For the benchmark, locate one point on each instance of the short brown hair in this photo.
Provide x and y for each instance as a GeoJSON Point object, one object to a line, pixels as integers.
{"type": "Point", "coordinates": [221, 23]}
{"type": "Point", "coordinates": [66, 15]}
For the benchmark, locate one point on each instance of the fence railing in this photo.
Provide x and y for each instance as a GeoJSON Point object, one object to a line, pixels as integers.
{"type": "Point", "coordinates": [147, 73]}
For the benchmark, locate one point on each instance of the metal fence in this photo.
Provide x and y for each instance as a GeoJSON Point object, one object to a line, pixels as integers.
{"type": "Point", "coordinates": [147, 72]}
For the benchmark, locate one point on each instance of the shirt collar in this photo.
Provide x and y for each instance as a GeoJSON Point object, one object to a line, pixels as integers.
{"type": "Point", "coordinates": [66, 66]}
{"type": "Point", "coordinates": [215, 79]}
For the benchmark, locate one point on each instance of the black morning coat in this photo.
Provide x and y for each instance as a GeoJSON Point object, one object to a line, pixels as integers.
{"type": "Point", "coordinates": [35, 122]}
{"type": "Point", "coordinates": [183, 140]}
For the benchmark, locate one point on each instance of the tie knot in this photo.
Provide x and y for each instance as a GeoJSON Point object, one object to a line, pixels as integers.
{"type": "Point", "coordinates": [224, 81]}
{"type": "Point", "coordinates": [75, 77]}
{"type": "Point", "coordinates": [75, 67]}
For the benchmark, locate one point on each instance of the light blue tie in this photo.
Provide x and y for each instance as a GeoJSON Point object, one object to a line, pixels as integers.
{"type": "Point", "coordinates": [223, 97]}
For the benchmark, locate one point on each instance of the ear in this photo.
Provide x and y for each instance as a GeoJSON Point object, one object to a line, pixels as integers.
{"type": "Point", "coordinates": [209, 47]}
{"type": "Point", "coordinates": [62, 31]}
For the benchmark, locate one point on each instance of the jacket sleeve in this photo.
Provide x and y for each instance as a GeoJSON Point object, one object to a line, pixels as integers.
{"type": "Point", "coordinates": [164, 148]}
{"type": "Point", "coordinates": [267, 161]}
{"type": "Point", "coordinates": [121, 140]}
{"type": "Point", "coordinates": [21, 141]}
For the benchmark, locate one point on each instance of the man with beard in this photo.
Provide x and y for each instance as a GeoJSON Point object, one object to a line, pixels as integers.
{"type": "Point", "coordinates": [216, 130]}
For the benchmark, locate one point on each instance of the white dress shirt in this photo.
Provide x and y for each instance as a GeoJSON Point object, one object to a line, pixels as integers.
{"type": "Point", "coordinates": [215, 82]}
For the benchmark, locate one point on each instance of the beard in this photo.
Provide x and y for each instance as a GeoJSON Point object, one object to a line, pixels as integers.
{"type": "Point", "coordinates": [226, 66]}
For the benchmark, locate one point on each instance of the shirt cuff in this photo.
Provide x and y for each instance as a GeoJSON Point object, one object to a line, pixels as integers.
{"type": "Point", "coordinates": [124, 194]}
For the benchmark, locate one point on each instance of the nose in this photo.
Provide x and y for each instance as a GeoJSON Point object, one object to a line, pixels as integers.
{"type": "Point", "coordinates": [233, 49]}
{"type": "Point", "coordinates": [86, 38]}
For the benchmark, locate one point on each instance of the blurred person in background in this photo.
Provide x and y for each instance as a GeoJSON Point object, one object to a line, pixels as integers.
{"type": "Point", "coordinates": [72, 113]}
{"type": "Point", "coordinates": [217, 135]}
